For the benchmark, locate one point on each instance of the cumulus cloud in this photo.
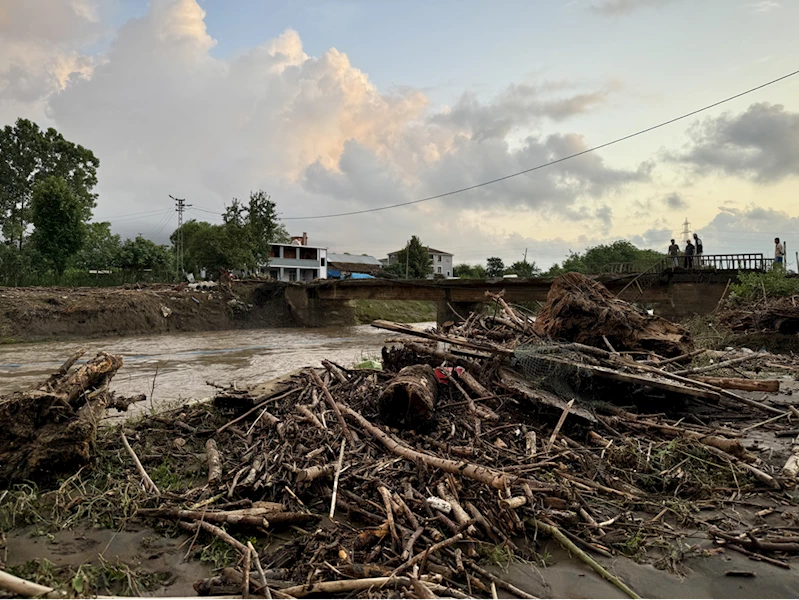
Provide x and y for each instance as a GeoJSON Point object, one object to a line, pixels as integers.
{"type": "Point", "coordinates": [759, 144]}
{"type": "Point", "coordinates": [40, 43]}
{"type": "Point", "coordinates": [621, 7]}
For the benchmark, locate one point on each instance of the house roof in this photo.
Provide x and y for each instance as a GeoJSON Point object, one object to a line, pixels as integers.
{"type": "Point", "coordinates": [429, 250]}
{"type": "Point", "coordinates": [355, 267]}
{"type": "Point", "coordinates": [352, 259]}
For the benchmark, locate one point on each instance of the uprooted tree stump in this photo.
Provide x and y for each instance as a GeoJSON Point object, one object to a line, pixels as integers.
{"type": "Point", "coordinates": [580, 309]}
{"type": "Point", "coordinates": [51, 429]}
{"type": "Point", "coordinates": [409, 400]}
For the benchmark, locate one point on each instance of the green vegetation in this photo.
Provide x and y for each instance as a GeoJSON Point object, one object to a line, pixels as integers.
{"type": "Point", "coordinates": [595, 258]}
{"type": "Point", "coordinates": [755, 286]}
{"type": "Point", "coordinates": [413, 261]}
{"type": "Point", "coordinates": [88, 580]}
{"type": "Point", "coordinates": [495, 267]}
{"type": "Point", "coordinates": [405, 311]}
{"type": "Point", "coordinates": [465, 271]}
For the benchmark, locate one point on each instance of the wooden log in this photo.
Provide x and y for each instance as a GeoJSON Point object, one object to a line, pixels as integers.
{"type": "Point", "coordinates": [514, 382]}
{"type": "Point", "coordinates": [487, 475]}
{"type": "Point", "coordinates": [147, 481]}
{"type": "Point", "coordinates": [214, 462]}
{"type": "Point", "coordinates": [350, 435]}
{"type": "Point", "coordinates": [456, 341]}
{"type": "Point", "coordinates": [791, 469]}
{"type": "Point", "coordinates": [23, 588]}
{"type": "Point", "coordinates": [249, 517]}
{"type": "Point", "coordinates": [315, 472]}
{"type": "Point", "coordinates": [735, 383]}
{"type": "Point", "coordinates": [409, 400]}
{"type": "Point", "coordinates": [722, 365]}
{"type": "Point", "coordinates": [458, 361]}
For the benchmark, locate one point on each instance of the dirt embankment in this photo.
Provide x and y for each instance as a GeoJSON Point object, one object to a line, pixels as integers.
{"type": "Point", "coordinates": [33, 314]}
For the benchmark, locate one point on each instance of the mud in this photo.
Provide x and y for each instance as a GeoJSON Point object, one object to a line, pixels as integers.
{"type": "Point", "coordinates": [32, 314]}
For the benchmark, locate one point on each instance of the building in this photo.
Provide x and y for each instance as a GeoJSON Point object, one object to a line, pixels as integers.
{"type": "Point", "coordinates": [443, 262]}
{"type": "Point", "coordinates": [342, 266]}
{"type": "Point", "coordinates": [296, 261]}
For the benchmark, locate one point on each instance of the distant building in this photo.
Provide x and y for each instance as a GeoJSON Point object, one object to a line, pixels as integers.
{"type": "Point", "coordinates": [342, 266]}
{"type": "Point", "coordinates": [442, 262]}
{"type": "Point", "coordinates": [296, 261]}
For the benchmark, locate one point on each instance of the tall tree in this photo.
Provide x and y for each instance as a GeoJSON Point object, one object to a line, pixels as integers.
{"type": "Point", "coordinates": [57, 214]}
{"type": "Point", "coordinates": [414, 260]}
{"type": "Point", "coordinates": [495, 267]}
{"type": "Point", "coordinates": [522, 268]}
{"type": "Point", "coordinates": [467, 271]}
{"type": "Point", "coordinates": [141, 254]}
{"type": "Point", "coordinates": [29, 155]}
{"type": "Point", "coordinates": [100, 248]}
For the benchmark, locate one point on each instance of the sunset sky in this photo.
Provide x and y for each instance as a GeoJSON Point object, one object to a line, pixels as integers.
{"type": "Point", "coordinates": [340, 106]}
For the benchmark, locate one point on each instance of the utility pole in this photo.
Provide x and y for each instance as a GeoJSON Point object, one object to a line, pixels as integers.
{"type": "Point", "coordinates": [525, 256]}
{"type": "Point", "coordinates": [407, 257]}
{"type": "Point", "coordinates": [180, 206]}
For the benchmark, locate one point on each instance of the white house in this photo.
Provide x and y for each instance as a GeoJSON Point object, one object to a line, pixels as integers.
{"type": "Point", "coordinates": [297, 261]}
{"type": "Point", "coordinates": [443, 262]}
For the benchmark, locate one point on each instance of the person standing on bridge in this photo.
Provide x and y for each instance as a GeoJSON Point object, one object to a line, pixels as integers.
{"type": "Point", "coordinates": [674, 253]}
{"type": "Point", "coordinates": [779, 253]}
{"type": "Point", "coordinates": [689, 254]}
{"type": "Point", "coordinates": [699, 250]}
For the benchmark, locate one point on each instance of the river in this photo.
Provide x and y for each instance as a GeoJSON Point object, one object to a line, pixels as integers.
{"type": "Point", "coordinates": [176, 367]}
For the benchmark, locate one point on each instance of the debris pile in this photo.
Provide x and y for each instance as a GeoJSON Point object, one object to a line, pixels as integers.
{"type": "Point", "coordinates": [772, 315]}
{"type": "Point", "coordinates": [51, 429]}
{"type": "Point", "coordinates": [580, 309]}
{"type": "Point", "coordinates": [470, 443]}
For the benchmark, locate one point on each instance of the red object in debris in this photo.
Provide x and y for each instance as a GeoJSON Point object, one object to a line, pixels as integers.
{"type": "Point", "coordinates": [443, 373]}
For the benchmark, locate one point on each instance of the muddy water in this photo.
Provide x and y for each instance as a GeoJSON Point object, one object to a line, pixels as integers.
{"type": "Point", "coordinates": [177, 367]}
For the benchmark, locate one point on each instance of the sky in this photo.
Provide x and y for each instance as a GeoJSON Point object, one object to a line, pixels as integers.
{"type": "Point", "coordinates": [341, 106]}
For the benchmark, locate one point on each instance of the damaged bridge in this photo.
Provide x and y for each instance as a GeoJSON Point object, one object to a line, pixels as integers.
{"type": "Point", "coordinates": [673, 292]}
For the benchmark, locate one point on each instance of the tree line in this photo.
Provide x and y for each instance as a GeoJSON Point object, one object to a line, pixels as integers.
{"type": "Point", "coordinates": [46, 201]}
{"type": "Point", "coordinates": [591, 261]}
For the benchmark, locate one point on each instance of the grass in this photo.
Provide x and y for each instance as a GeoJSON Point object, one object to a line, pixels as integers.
{"type": "Point", "coordinates": [404, 311]}
{"type": "Point", "coordinates": [708, 332]}
{"type": "Point", "coordinates": [88, 580]}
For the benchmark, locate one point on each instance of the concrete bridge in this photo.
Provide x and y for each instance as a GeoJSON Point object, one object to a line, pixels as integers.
{"type": "Point", "coordinates": [673, 292]}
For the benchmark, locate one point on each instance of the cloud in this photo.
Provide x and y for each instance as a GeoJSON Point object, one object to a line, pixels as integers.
{"type": "Point", "coordinates": [764, 6]}
{"type": "Point", "coordinates": [518, 106]}
{"type": "Point", "coordinates": [609, 8]}
{"type": "Point", "coordinates": [674, 201]}
{"type": "Point", "coordinates": [40, 44]}
{"type": "Point", "coordinates": [759, 144]}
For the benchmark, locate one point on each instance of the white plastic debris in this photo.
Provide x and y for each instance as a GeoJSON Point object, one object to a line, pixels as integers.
{"type": "Point", "coordinates": [437, 503]}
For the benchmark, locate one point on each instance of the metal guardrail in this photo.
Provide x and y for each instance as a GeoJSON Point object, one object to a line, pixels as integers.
{"type": "Point", "coordinates": [722, 262]}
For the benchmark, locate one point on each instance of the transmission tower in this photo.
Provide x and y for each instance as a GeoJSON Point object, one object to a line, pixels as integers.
{"type": "Point", "coordinates": [686, 230]}
{"type": "Point", "coordinates": [180, 206]}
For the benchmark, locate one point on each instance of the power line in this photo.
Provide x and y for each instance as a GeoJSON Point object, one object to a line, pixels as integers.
{"type": "Point", "coordinates": [548, 164]}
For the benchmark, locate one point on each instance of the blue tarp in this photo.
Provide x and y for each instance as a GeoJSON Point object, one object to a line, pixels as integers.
{"type": "Point", "coordinates": [361, 276]}
{"type": "Point", "coordinates": [334, 274]}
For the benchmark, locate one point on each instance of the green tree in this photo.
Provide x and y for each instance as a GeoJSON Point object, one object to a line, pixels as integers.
{"type": "Point", "coordinates": [466, 271]}
{"type": "Point", "coordinates": [141, 254]}
{"type": "Point", "coordinates": [100, 249]}
{"type": "Point", "coordinates": [495, 267]}
{"type": "Point", "coordinates": [264, 226]}
{"type": "Point", "coordinates": [522, 268]}
{"type": "Point", "coordinates": [57, 215]}
{"type": "Point", "coordinates": [215, 247]}
{"type": "Point", "coordinates": [28, 156]}
{"type": "Point", "coordinates": [413, 259]}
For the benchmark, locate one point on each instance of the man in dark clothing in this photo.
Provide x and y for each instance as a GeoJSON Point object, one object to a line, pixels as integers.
{"type": "Point", "coordinates": [699, 250]}
{"type": "Point", "coordinates": [674, 254]}
{"type": "Point", "coordinates": [689, 254]}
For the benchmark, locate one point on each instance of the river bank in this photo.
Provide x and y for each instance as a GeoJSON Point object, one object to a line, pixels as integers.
{"type": "Point", "coordinates": [37, 314]}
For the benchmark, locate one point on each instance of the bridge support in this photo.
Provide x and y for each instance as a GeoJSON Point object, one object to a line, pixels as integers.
{"type": "Point", "coordinates": [455, 311]}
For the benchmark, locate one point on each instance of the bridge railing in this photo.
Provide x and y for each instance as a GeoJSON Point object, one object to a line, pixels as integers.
{"type": "Point", "coordinates": [720, 262]}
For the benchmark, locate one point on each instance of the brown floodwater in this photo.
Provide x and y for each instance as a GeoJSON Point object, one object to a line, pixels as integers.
{"type": "Point", "coordinates": [178, 366]}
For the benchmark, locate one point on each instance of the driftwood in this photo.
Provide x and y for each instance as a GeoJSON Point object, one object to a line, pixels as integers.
{"type": "Point", "coordinates": [147, 481]}
{"type": "Point", "coordinates": [749, 385]}
{"type": "Point", "coordinates": [50, 430]}
{"type": "Point", "coordinates": [253, 517]}
{"type": "Point", "coordinates": [214, 462]}
{"type": "Point", "coordinates": [485, 475]}
{"type": "Point", "coordinates": [721, 365]}
{"type": "Point", "coordinates": [409, 400]}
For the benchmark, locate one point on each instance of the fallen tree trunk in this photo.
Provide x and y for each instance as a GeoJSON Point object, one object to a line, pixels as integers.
{"type": "Point", "coordinates": [50, 430]}
{"type": "Point", "coordinates": [252, 517]}
{"type": "Point", "coordinates": [409, 400]}
{"type": "Point", "coordinates": [735, 383]}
